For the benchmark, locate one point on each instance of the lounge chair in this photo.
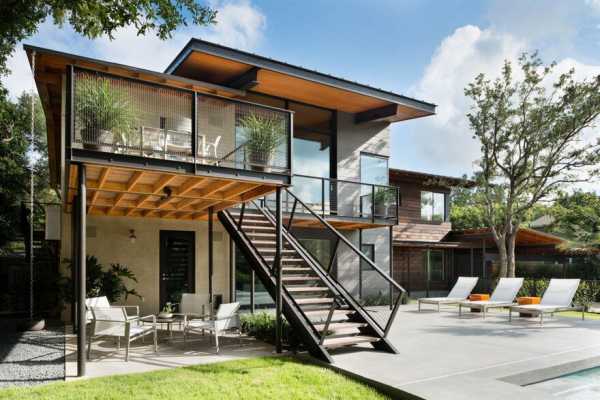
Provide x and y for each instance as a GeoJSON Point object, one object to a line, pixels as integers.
{"type": "Point", "coordinates": [461, 290]}
{"type": "Point", "coordinates": [114, 322]}
{"type": "Point", "coordinates": [225, 319]}
{"type": "Point", "coordinates": [132, 312]}
{"type": "Point", "coordinates": [503, 296]}
{"type": "Point", "coordinates": [557, 297]}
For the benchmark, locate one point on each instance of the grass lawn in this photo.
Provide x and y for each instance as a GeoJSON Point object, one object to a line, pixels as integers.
{"type": "Point", "coordinates": [257, 378]}
{"type": "Point", "coordinates": [577, 314]}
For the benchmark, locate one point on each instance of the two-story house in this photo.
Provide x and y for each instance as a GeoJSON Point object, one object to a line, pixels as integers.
{"type": "Point", "coordinates": [231, 175]}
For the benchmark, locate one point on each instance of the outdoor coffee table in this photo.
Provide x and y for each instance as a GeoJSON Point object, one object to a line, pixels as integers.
{"type": "Point", "coordinates": [168, 322]}
{"type": "Point", "coordinates": [478, 297]}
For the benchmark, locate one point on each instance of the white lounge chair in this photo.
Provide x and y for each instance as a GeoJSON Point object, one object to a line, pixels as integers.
{"type": "Point", "coordinates": [114, 322]}
{"type": "Point", "coordinates": [503, 296]}
{"type": "Point", "coordinates": [558, 297]}
{"type": "Point", "coordinates": [461, 290]}
{"type": "Point", "coordinates": [225, 319]}
{"type": "Point", "coordinates": [132, 312]}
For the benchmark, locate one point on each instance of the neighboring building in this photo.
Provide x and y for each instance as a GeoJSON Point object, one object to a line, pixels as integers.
{"type": "Point", "coordinates": [168, 159]}
{"type": "Point", "coordinates": [429, 255]}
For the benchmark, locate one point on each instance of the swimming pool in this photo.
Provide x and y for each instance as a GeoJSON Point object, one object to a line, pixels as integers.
{"type": "Point", "coordinates": [580, 385]}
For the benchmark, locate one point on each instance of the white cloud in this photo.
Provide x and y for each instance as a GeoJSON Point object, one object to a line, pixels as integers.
{"type": "Point", "coordinates": [594, 5]}
{"type": "Point", "coordinates": [239, 24]}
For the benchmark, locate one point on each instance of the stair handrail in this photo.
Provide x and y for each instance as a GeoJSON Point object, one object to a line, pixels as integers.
{"type": "Point", "coordinates": [349, 244]}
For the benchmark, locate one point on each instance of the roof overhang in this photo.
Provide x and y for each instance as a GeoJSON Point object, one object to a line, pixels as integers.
{"type": "Point", "coordinates": [50, 72]}
{"type": "Point", "coordinates": [402, 175]}
{"type": "Point", "coordinates": [525, 237]}
{"type": "Point", "coordinates": [234, 68]}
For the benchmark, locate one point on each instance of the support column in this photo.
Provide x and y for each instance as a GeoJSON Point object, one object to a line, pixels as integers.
{"type": "Point", "coordinates": [210, 258]}
{"type": "Point", "coordinates": [277, 271]}
{"type": "Point", "coordinates": [74, 266]}
{"type": "Point", "coordinates": [472, 261]}
{"type": "Point", "coordinates": [81, 267]}
{"type": "Point", "coordinates": [427, 272]}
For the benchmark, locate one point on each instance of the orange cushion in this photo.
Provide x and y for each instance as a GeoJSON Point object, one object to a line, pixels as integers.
{"type": "Point", "coordinates": [479, 297]}
{"type": "Point", "coordinates": [528, 300]}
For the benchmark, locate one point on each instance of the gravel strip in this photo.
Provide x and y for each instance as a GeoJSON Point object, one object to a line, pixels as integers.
{"type": "Point", "coordinates": [32, 358]}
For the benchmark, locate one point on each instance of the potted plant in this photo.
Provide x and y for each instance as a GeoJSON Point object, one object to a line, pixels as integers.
{"type": "Point", "coordinates": [262, 135]}
{"type": "Point", "coordinates": [104, 114]}
{"type": "Point", "coordinates": [167, 311]}
{"type": "Point", "coordinates": [382, 201]}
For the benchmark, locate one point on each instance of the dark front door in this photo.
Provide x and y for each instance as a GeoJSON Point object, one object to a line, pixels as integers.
{"type": "Point", "coordinates": [177, 265]}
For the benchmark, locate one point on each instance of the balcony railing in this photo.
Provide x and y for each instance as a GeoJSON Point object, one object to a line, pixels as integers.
{"type": "Point", "coordinates": [126, 116]}
{"type": "Point", "coordinates": [340, 198]}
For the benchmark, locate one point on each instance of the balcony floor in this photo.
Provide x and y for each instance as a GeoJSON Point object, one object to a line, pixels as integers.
{"type": "Point", "coordinates": [131, 192]}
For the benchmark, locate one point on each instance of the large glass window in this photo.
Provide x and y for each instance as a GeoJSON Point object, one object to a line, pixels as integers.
{"type": "Point", "coordinates": [374, 169]}
{"type": "Point", "coordinates": [433, 260]}
{"type": "Point", "coordinates": [318, 248]}
{"type": "Point", "coordinates": [433, 206]}
{"type": "Point", "coordinates": [369, 251]}
{"type": "Point", "coordinates": [243, 285]}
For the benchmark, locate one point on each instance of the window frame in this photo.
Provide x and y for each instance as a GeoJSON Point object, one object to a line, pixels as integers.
{"type": "Point", "coordinates": [433, 203]}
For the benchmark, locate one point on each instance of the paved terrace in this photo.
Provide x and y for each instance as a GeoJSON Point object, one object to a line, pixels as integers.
{"type": "Point", "coordinates": [446, 358]}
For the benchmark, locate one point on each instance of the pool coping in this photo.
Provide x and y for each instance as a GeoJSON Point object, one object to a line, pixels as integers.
{"type": "Point", "coordinates": [553, 372]}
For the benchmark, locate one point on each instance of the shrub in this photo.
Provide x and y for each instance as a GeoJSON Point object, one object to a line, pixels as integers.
{"type": "Point", "coordinates": [587, 293]}
{"type": "Point", "coordinates": [262, 326]}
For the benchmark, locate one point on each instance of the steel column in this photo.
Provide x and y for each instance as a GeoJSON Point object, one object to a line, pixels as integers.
{"type": "Point", "coordinates": [210, 257]}
{"type": "Point", "coordinates": [81, 266]}
{"type": "Point", "coordinates": [277, 270]}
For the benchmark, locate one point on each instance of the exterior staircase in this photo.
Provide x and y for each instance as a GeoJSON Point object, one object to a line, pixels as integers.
{"type": "Point", "coordinates": [318, 308]}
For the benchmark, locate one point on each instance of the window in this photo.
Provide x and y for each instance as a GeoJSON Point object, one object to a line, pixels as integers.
{"type": "Point", "coordinates": [433, 206]}
{"type": "Point", "coordinates": [369, 251]}
{"type": "Point", "coordinates": [433, 260]}
{"type": "Point", "coordinates": [374, 169]}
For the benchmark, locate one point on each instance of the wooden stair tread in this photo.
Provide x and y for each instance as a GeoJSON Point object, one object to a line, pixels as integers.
{"type": "Point", "coordinates": [315, 300]}
{"type": "Point", "coordinates": [348, 341]}
{"type": "Point", "coordinates": [307, 289]}
{"type": "Point", "coordinates": [258, 228]}
{"type": "Point", "coordinates": [338, 326]}
{"type": "Point", "coordinates": [297, 269]}
{"type": "Point", "coordinates": [300, 278]}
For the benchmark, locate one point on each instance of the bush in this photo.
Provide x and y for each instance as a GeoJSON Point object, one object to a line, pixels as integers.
{"type": "Point", "coordinates": [533, 287]}
{"type": "Point", "coordinates": [262, 326]}
{"type": "Point", "coordinates": [588, 291]}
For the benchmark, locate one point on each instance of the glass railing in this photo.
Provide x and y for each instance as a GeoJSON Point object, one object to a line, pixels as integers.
{"type": "Point", "coordinates": [131, 117]}
{"type": "Point", "coordinates": [334, 197]}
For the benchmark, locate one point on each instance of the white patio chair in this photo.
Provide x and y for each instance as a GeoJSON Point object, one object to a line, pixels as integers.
{"type": "Point", "coordinates": [114, 322]}
{"type": "Point", "coordinates": [194, 305]}
{"type": "Point", "coordinates": [558, 297]}
{"type": "Point", "coordinates": [225, 319]}
{"type": "Point", "coordinates": [210, 149]}
{"type": "Point", "coordinates": [461, 290]}
{"type": "Point", "coordinates": [102, 301]}
{"type": "Point", "coordinates": [503, 296]}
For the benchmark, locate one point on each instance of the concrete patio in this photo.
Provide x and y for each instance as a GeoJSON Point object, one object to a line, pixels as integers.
{"type": "Point", "coordinates": [444, 357]}
{"type": "Point", "coordinates": [107, 360]}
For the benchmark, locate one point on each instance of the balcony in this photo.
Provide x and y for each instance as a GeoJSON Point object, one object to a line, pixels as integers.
{"type": "Point", "coordinates": [346, 204]}
{"type": "Point", "coordinates": [134, 120]}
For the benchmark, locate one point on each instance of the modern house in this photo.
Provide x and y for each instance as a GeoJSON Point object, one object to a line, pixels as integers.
{"type": "Point", "coordinates": [429, 254]}
{"type": "Point", "coordinates": [234, 176]}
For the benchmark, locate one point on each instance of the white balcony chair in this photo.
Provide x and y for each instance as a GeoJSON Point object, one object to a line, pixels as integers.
{"type": "Point", "coordinates": [210, 149]}
{"type": "Point", "coordinates": [114, 322]}
{"type": "Point", "coordinates": [503, 296]}
{"type": "Point", "coordinates": [461, 290]}
{"type": "Point", "coordinates": [225, 319]}
{"type": "Point", "coordinates": [558, 297]}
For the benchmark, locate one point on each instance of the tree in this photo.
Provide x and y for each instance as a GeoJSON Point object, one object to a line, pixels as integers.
{"type": "Point", "coordinates": [531, 141]}
{"type": "Point", "coordinates": [93, 18]}
{"type": "Point", "coordinates": [576, 216]}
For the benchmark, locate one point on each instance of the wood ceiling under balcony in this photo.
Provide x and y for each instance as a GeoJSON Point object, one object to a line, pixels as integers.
{"type": "Point", "coordinates": [117, 191]}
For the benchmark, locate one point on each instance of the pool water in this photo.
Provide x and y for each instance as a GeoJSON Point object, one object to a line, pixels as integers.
{"type": "Point", "coordinates": [581, 385]}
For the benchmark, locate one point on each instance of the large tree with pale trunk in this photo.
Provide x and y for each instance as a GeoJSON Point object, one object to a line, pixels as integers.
{"type": "Point", "coordinates": [534, 132]}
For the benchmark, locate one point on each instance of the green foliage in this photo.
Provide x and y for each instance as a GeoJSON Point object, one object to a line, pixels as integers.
{"type": "Point", "coordinates": [588, 291]}
{"type": "Point", "coordinates": [262, 326]}
{"type": "Point", "coordinates": [93, 18]}
{"type": "Point", "coordinates": [262, 136]}
{"type": "Point", "coordinates": [104, 282]}
{"type": "Point", "coordinates": [531, 142]}
{"type": "Point", "coordinates": [101, 107]}
{"type": "Point", "coordinates": [533, 287]}
{"type": "Point", "coordinates": [577, 217]}
{"type": "Point", "coordinates": [377, 299]}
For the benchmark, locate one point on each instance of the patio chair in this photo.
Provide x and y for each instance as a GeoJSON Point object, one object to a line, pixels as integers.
{"type": "Point", "coordinates": [102, 301]}
{"type": "Point", "coordinates": [461, 290]}
{"type": "Point", "coordinates": [503, 296]}
{"type": "Point", "coordinates": [114, 322]}
{"type": "Point", "coordinates": [193, 306]}
{"type": "Point", "coordinates": [210, 149]}
{"type": "Point", "coordinates": [225, 319]}
{"type": "Point", "coordinates": [558, 297]}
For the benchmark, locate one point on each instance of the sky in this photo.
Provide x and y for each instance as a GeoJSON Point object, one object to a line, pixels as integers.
{"type": "Point", "coordinates": [425, 49]}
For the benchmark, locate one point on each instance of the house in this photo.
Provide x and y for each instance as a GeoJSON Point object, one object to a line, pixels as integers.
{"type": "Point", "coordinates": [230, 175]}
{"type": "Point", "coordinates": [429, 255]}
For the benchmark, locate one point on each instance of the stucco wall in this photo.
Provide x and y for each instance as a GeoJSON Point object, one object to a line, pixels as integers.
{"type": "Point", "coordinates": [107, 239]}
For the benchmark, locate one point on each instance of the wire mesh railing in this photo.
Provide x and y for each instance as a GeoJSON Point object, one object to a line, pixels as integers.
{"type": "Point", "coordinates": [126, 116]}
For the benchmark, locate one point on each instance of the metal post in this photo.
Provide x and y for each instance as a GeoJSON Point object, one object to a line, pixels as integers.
{"type": "Point", "coordinates": [323, 197]}
{"type": "Point", "coordinates": [277, 269]}
{"type": "Point", "coordinates": [74, 267]}
{"type": "Point", "coordinates": [472, 261]}
{"type": "Point", "coordinates": [427, 272]}
{"type": "Point", "coordinates": [210, 257]}
{"type": "Point", "coordinates": [252, 292]}
{"type": "Point", "coordinates": [483, 260]}
{"type": "Point", "coordinates": [408, 272]}
{"type": "Point", "coordinates": [81, 266]}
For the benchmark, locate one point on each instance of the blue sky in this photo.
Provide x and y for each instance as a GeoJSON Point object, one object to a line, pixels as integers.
{"type": "Point", "coordinates": [425, 49]}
